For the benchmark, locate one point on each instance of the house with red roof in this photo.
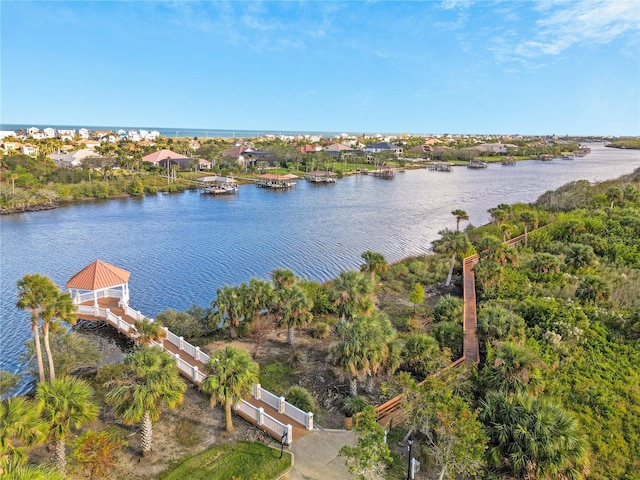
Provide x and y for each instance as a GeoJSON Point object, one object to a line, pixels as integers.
{"type": "Point", "coordinates": [163, 158]}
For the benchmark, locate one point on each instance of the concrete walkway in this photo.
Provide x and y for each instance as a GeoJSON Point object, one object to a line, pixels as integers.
{"type": "Point", "coordinates": [316, 456]}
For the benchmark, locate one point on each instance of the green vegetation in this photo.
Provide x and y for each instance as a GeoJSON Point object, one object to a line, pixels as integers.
{"type": "Point", "coordinates": [625, 143]}
{"type": "Point", "coordinates": [230, 461]}
{"type": "Point", "coordinates": [555, 394]}
{"type": "Point", "coordinates": [149, 383]}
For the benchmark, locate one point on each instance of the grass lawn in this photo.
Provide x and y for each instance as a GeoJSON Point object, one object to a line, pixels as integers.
{"type": "Point", "coordinates": [242, 460]}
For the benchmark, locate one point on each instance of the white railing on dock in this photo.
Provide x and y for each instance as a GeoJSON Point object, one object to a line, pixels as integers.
{"type": "Point", "coordinates": [282, 406]}
{"type": "Point", "coordinates": [300, 416]}
{"type": "Point", "coordinates": [267, 397]}
{"type": "Point", "coordinates": [265, 420]}
{"type": "Point", "coordinates": [197, 376]}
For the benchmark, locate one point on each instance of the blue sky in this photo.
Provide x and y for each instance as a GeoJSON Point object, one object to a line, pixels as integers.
{"type": "Point", "coordinates": [416, 67]}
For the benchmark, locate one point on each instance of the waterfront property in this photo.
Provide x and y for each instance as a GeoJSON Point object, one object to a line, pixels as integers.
{"type": "Point", "coordinates": [217, 185]}
{"type": "Point", "coordinates": [101, 293]}
{"type": "Point", "coordinates": [275, 181]}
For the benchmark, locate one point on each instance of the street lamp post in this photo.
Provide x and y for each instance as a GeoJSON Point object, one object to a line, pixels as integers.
{"type": "Point", "coordinates": [410, 441]}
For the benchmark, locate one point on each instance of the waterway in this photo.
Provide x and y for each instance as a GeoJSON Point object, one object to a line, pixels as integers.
{"type": "Point", "coordinates": [180, 248]}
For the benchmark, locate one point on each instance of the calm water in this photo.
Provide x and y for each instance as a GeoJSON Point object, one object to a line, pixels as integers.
{"type": "Point", "coordinates": [179, 248]}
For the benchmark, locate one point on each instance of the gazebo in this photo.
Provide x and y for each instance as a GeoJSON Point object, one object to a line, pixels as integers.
{"type": "Point", "coordinates": [99, 280]}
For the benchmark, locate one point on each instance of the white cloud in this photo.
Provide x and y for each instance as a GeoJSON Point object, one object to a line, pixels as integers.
{"type": "Point", "coordinates": [580, 23]}
{"type": "Point", "coordinates": [451, 4]}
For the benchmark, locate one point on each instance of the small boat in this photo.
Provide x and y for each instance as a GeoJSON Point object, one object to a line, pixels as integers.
{"type": "Point", "coordinates": [477, 164]}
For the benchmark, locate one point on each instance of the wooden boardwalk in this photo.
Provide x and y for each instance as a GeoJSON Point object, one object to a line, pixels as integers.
{"type": "Point", "coordinates": [112, 305]}
{"type": "Point", "coordinates": [470, 347]}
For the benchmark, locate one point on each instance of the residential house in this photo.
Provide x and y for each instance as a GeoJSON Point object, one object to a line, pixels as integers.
{"type": "Point", "coordinates": [152, 136]}
{"type": "Point", "coordinates": [28, 149]}
{"type": "Point", "coordinates": [338, 150]}
{"type": "Point", "coordinates": [73, 159]}
{"type": "Point", "coordinates": [88, 143]}
{"type": "Point", "coordinates": [134, 136]}
{"type": "Point", "coordinates": [163, 158]}
{"type": "Point", "coordinates": [9, 146]}
{"type": "Point", "coordinates": [383, 147]}
{"type": "Point", "coordinates": [204, 164]}
{"type": "Point", "coordinates": [84, 133]}
{"type": "Point", "coordinates": [49, 132]}
{"type": "Point", "coordinates": [7, 133]}
{"type": "Point", "coordinates": [66, 134]}
{"type": "Point", "coordinates": [310, 148]}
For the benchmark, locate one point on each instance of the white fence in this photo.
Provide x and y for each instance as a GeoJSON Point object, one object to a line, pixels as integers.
{"type": "Point", "coordinates": [282, 406]}
{"type": "Point", "coordinates": [193, 372]}
{"type": "Point", "coordinates": [265, 420]}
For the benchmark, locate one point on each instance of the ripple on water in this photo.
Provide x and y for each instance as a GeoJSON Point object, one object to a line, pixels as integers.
{"type": "Point", "coordinates": [181, 248]}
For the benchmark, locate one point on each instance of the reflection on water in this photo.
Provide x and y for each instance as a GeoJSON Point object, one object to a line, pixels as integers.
{"type": "Point", "coordinates": [180, 248]}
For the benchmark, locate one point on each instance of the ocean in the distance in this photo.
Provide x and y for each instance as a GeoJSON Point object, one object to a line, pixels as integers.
{"type": "Point", "coordinates": [176, 132]}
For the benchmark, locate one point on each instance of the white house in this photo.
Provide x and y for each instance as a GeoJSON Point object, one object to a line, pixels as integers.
{"type": "Point", "coordinates": [152, 136]}
{"type": "Point", "coordinates": [84, 133]}
{"type": "Point", "coordinates": [28, 149]}
{"type": "Point", "coordinates": [49, 132]}
{"type": "Point", "coordinates": [8, 146]}
{"type": "Point", "coordinates": [66, 134]}
{"type": "Point", "coordinates": [383, 147]}
{"type": "Point", "coordinates": [7, 133]}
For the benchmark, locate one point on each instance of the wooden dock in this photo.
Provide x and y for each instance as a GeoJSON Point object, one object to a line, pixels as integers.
{"type": "Point", "coordinates": [122, 320]}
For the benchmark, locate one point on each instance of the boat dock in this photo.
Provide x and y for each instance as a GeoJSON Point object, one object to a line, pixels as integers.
{"type": "Point", "coordinates": [440, 166]}
{"type": "Point", "coordinates": [321, 176]}
{"type": "Point", "coordinates": [216, 185]}
{"type": "Point", "coordinates": [277, 182]}
{"type": "Point", "coordinates": [100, 292]}
{"type": "Point", "coordinates": [382, 172]}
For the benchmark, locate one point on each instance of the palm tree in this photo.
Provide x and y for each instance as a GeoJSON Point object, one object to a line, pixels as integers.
{"type": "Point", "coordinates": [230, 376]}
{"type": "Point", "coordinates": [368, 344]}
{"type": "Point", "coordinates": [230, 308]}
{"type": "Point", "coordinates": [35, 293]}
{"type": "Point", "coordinates": [283, 278]}
{"type": "Point", "coordinates": [512, 369]}
{"type": "Point", "coordinates": [532, 438]}
{"type": "Point", "coordinates": [374, 263]}
{"type": "Point", "coordinates": [351, 292]}
{"type": "Point", "coordinates": [530, 221]}
{"type": "Point", "coordinates": [147, 331]}
{"type": "Point", "coordinates": [13, 469]}
{"type": "Point", "coordinates": [295, 309]}
{"type": "Point", "coordinates": [20, 427]}
{"type": "Point", "coordinates": [66, 404]}
{"type": "Point", "coordinates": [460, 215]}
{"type": "Point", "coordinates": [452, 243]}
{"type": "Point", "coordinates": [61, 308]}
{"type": "Point", "coordinates": [151, 382]}
{"type": "Point", "coordinates": [258, 296]}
